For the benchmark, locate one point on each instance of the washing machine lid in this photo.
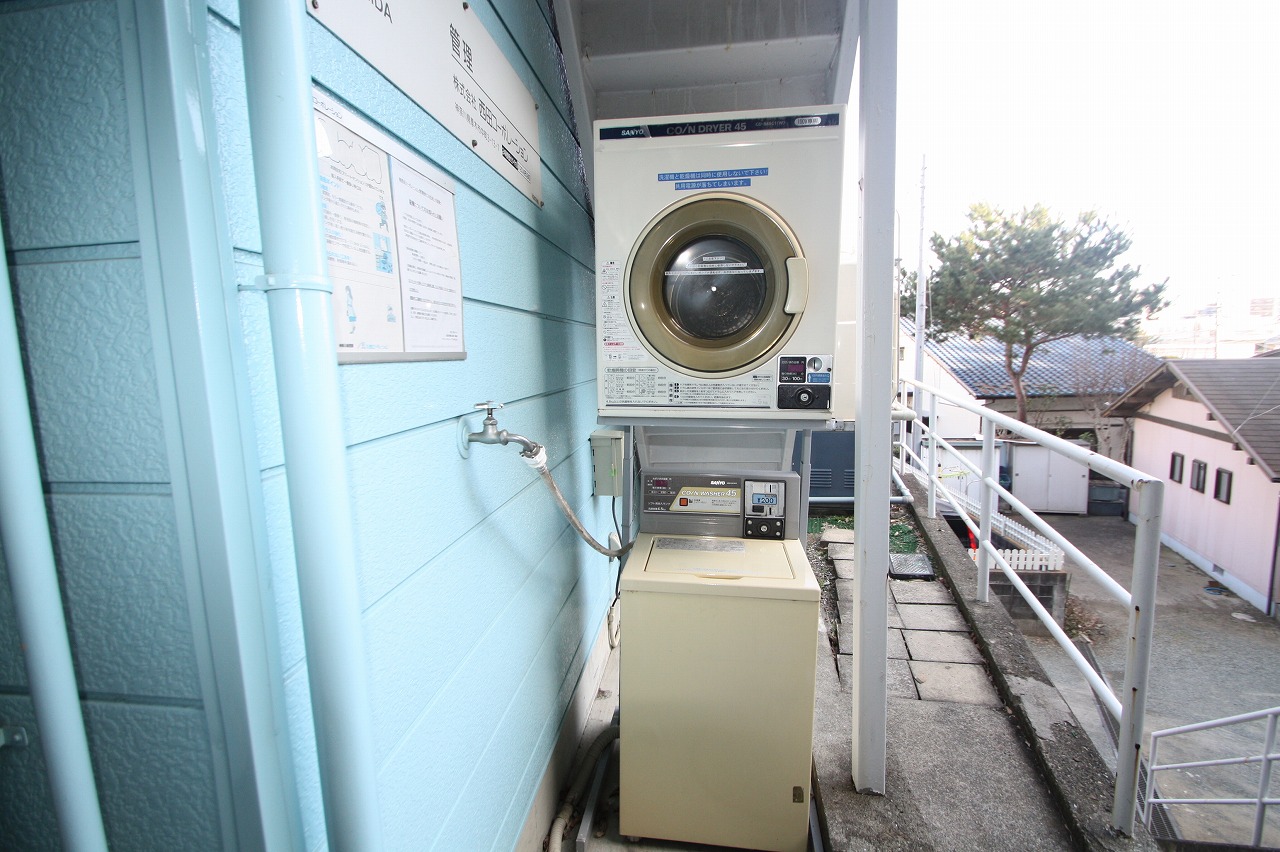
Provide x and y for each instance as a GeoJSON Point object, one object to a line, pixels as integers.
{"type": "Point", "coordinates": [712, 565]}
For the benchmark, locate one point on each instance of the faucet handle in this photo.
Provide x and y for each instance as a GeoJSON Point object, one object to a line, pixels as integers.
{"type": "Point", "coordinates": [488, 407]}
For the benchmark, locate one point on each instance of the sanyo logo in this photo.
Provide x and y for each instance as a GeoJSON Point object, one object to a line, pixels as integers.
{"type": "Point", "coordinates": [719, 482]}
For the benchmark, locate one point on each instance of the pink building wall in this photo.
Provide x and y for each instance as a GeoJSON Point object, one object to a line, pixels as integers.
{"type": "Point", "coordinates": [1234, 543]}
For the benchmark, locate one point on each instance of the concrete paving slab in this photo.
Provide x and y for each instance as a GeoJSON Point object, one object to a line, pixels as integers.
{"type": "Point", "coordinates": [931, 617]}
{"type": "Point", "coordinates": [845, 569]}
{"type": "Point", "coordinates": [897, 647]}
{"type": "Point", "coordinates": [846, 636]}
{"type": "Point", "coordinates": [836, 534]}
{"type": "Point", "coordinates": [920, 591]}
{"type": "Point", "coordinates": [899, 681]}
{"type": "Point", "coordinates": [841, 550]}
{"type": "Point", "coordinates": [895, 616]}
{"type": "Point", "coordinates": [941, 647]}
{"type": "Point", "coordinates": [953, 682]}
{"type": "Point", "coordinates": [1073, 772]}
{"type": "Point", "coordinates": [957, 778]}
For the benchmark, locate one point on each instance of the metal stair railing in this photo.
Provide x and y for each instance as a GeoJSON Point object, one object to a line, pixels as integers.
{"type": "Point", "coordinates": [1129, 706]}
{"type": "Point", "coordinates": [1266, 760]}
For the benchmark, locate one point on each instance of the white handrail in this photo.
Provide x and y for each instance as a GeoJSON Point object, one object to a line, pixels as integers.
{"type": "Point", "coordinates": [1148, 497]}
{"type": "Point", "coordinates": [1267, 759]}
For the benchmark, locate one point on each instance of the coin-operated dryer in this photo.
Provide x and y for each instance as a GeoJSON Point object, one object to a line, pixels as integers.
{"type": "Point", "coordinates": [718, 261]}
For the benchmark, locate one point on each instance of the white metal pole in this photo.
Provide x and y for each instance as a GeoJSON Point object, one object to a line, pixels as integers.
{"type": "Point", "coordinates": [1264, 780]}
{"type": "Point", "coordinates": [933, 456]}
{"type": "Point", "coordinates": [1146, 565]}
{"type": "Point", "coordinates": [989, 471]}
{"type": "Point", "coordinates": [921, 307]}
{"type": "Point", "coordinates": [877, 123]}
{"type": "Point", "coordinates": [37, 601]}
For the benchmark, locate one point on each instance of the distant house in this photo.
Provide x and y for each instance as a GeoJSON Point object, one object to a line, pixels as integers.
{"type": "Point", "coordinates": [1211, 429]}
{"type": "Point", "coordinates": [1069, 382]}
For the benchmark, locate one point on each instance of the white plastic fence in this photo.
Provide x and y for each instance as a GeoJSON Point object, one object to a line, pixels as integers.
{"type": "Point", "coordinates": [1006, 528]}
{"type": "Point", "coordinates": [1029, 560]}
{"type": "Point", "coordinates": [1147, 493]}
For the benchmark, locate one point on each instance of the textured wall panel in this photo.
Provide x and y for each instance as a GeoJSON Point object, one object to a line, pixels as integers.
{"type": "Point", "coordinates": [26, 806]}
{"type": "Point", "coordinates": [155, 777]}
{"type": "Point", "coordinates": [302, 742]}
{"type": "Point", "coordinates": [87, 343]}
{"type": "Point", "coordinates": [13, 670]}
{"type": "Point", "coordinates": [125, 594]}
{"type": "Point", "coordinates": [152, 765]}
{"type": "Point", "coordinates": [235, 155]}
{"type": "Point", "coordinates": [64, 141]}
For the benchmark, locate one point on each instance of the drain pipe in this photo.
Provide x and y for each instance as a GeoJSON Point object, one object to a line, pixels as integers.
{"type": "Point", "coordinates": [278, 83]}
{"type": "Point", "coordinates": [33, 577]}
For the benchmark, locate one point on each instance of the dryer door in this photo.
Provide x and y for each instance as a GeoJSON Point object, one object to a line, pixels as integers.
{"type": "Point", "coordinates": [716, 285]}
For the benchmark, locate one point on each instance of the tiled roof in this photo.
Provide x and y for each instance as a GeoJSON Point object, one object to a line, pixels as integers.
{"type": "Point", "coordinates": [1073, 366]}
{"type": "Point", "coordinates": [1242, 394]}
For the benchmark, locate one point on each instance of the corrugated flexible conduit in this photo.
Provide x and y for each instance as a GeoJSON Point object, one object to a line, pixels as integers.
{"type": "Point", "coordinates": [555, 837]}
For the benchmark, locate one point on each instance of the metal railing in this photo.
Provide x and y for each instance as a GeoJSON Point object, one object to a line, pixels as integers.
{"type": "Point", "coordinates": [1129, 706]}
{"type": "Point", "coordinates": [1266, 760]}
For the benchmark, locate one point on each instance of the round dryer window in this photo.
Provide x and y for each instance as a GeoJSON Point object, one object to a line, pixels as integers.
{"type": "Point", "coordinates": [708, 288]}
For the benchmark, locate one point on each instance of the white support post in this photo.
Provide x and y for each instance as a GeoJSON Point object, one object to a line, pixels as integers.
{"type": "Point", "coordinates": [989, 471]}
{"type": "Point", "coordinates": [933, 457]}
{"type": "Point", "coordinates": [877, 124]}
{"type": "Point", "coordinates": [1146, 565]}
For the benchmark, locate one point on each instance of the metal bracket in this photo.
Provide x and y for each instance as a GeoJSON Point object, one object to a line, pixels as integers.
{"type": "Point", "coordinates": [14, 737]}
{"type": "Point", "coordinates": [289, 281]}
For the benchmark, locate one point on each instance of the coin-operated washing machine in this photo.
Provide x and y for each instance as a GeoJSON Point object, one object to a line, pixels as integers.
{"type": "Point", "coordinates": [720, 609]}
{"type": "Point", "coordinates": [718, 267]}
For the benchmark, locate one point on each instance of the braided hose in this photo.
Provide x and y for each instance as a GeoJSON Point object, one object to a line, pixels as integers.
{"type": "Point", "coordinates": [538, 461]}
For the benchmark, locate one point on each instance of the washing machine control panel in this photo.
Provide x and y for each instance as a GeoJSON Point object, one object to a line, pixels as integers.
{"type": "Point", "coordinates": [746, 505]}
{"type": "Point", "coordinates": [764, 508]}
{"type": "Point", "coordinates": [804, 382]}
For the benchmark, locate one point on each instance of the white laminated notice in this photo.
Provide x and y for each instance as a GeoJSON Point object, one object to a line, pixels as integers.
{"type": "Point", "coordinates": [618, 341]}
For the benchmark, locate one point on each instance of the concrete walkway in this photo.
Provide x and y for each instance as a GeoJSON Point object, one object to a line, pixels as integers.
{"type": "Point", "coordinates": [959, 775]}
{"type": "Point", "coordinates": [1213, 656]}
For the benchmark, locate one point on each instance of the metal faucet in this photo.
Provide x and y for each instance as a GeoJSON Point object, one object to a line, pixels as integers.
{"type": "Point", "coordinates": [491, 434]}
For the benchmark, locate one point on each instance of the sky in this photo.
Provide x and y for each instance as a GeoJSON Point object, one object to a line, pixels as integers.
{"type": "Point", "coordinates": [1163, 117]}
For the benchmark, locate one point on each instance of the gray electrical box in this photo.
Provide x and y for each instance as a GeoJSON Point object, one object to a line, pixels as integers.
{"type": "Point", "coordinates": [606, 461]}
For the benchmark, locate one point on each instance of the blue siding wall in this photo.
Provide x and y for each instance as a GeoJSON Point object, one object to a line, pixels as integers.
{"type": "Point", "coordinates": [71, 225]}
{"type": "Point", "coordinates": [480, 604]}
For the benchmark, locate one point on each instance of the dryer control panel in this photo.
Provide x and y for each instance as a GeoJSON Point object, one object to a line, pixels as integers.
{"type": "Point", "coordinates": [804, 381]}
{"type": "Point", "coordinates": [739, 505]}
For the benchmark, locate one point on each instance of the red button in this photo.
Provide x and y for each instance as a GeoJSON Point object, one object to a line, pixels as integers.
{"type": "Point", "coordinates": [684, 501]}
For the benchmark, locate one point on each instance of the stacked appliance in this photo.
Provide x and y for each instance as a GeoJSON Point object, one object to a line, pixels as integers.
{"type": "Point", "coordinates": [719, 298]}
